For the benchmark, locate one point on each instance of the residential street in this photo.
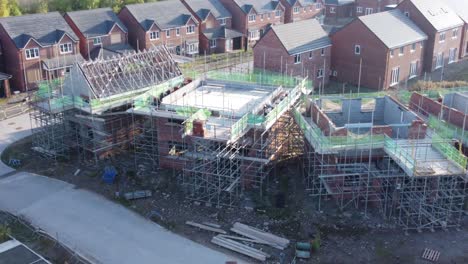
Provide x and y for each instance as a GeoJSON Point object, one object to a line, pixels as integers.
{"type": "Point", "coordinates": [96, 228]}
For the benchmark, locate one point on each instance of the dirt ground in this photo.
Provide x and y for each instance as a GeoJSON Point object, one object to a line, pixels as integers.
{"type": "Point", "coordinates": [346, 237]}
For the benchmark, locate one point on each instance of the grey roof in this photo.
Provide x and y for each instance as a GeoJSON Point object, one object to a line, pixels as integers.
{"type": "Point", "coordinates": [110, 51]}
{"type": "Point", "coordinates": [338, 2]}
{"type": "Point", "coordinates": [261, 6]}
{"type": "Point", "coordinates": [96, 22]}
{"type": "Point", "coordinates": [302, 36]}
{"type": "Point", "coordinates": [401, 32]}
{"type": "Point", "coordinates": [46, 29]}
{"type": "Point", "coordinates": [440, 15]}
{"type": "Point", "coordinates": [4, 76]}
{"type": "Point", "coordinates": [204, 7]}
{"type": "Point", "coordinates": [460, 7]}
{"type": "Point", "coordinates": [166, 14]}
{"type": "Point", "coordinates": [302, 2]}
{"type": "Point", "coordinates": [221, 33]}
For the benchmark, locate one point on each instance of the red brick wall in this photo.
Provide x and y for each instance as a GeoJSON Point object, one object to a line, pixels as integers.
{"type": "Point", "coordinates": [464, 42]}
{"type": "Point", "coordinates": [271, 54]}
{"type": "Point", "coordinates": [137, 36]}
{"type": "Point", "coordinates": [346, 63]}
{"type": "Point", "coordinates": [404, 62]}
{"type": "Point", "coordinates": [342, 11]}
{"type": "Point", "coordinates": [433, 46]}
{"type": "Point", "coordinates": [377, 6]}
{"type": "Point", "coordinates": [417, 130]}
{"type": "Point", "coordinates": [309, 12]}
{"type": "Point", "coordinates": [380, 130]}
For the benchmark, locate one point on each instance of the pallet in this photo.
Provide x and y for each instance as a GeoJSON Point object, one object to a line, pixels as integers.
{"type": "Point", "coordinates": [431, 255]}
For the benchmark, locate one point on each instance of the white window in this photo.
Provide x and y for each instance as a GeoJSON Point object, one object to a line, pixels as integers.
{"type": "Point", "coordinates": [97, 41]}
{"type": "Point", "coordinates": [317, 6]}
{"type": "Point", "coordinates": [190, 29]}
{"type": "Point", "coordinates": [452, 55]}
{"type": "Point", "coordinates": [413, 69]}
{"type": "Point", "coordinates": [32, 53]}
{"type": "Point", "coordinates": [269, 16]}
{"type": "Point", "coordinates": [319, 73]}
{"type": "Point", "coordinates": [177, 31]}
{"type": "Point", "coordinates": [439, 60]}
{"type": "Point", "coordinates": [252, 18]}
{"type": "Point", "coordinates": [413, 47]}
{"type": "Point", "coordinates": [261, 17]}
{"type": "Point", "coordinates": [332, 10]}
{"type": "Point", "coordinates": [168, 33]}
{"type": "Point", "coordinates": [391, 53]}
{"type": "Point", "coordinates": [278, 13]}
{"type": "Point", "coordinates": [154, 35]}
{"type": "Point", "coordinates": [297, 58]}
{"type": "Point", "coordinates": [296, 9]}
{"type": "Point", "coordinates": [369, 11]}
{"type": "Point", "coordinates": [407, 13]}
{"type": "Point", "coordinates": [212, 43]}
{"type": "Point", "coordinates": [402, 51]}
{"type": "Point", "coordinates": [335, 73]}
{"type": "Point", "coordinates": [311, 55]}
{"type": "Point", "coordinates": [222, 21]}
{"type": "Point", "coordinates": [322, 52]}
{"type": "Point", "coordinates": [395, 78]}
{"type": "Point", "coordinates": [359, 9]}
{"type": "Point", "coordinates": [66, 48]}
{"type": "Point", "coordinates": [442, 37]}
{"type": "Point", "coordinates": [192, 48]}
{"type": "Point", "coordinates": [254, 35]}
{"type": "Point", "coordinates": [455, 33]}
{"type": "Point", "coordinates": [357, 49]}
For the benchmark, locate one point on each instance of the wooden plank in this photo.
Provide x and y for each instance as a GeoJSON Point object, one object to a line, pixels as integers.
{"type": "Point", "coordinates": [205, 227]}
{"type": "Point", "coordinates": [240, 248]}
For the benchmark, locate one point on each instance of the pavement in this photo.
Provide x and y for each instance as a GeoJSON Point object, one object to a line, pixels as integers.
{"type": "Point", "coordinates": [96, 228]}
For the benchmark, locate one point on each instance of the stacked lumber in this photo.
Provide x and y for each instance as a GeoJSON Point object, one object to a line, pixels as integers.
{"type": "Point", "coordinates": [206, 227]}
{"type": "Point", "coordinates": [260, 236]}
{"type": "Point", "coordinates": [240, 248]}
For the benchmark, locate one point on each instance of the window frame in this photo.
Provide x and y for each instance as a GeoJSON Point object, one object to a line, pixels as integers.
{"type": "Point", "coordinates": [66, 48]}
{"type": "Point", "coordinates": [190, 29]}
{"type": "Point", "coordinates": [34, 53]}
{"type": "Point", "coordinates": [222, 21]}
{"type": "Point", "coordinates": [442, 37]}
{"type": "Point", "coordinates": [359, 9]}
{"type": "Point", "coordinates": [332, 10]}
{"type": "Point", "coordinates": [297, 59]}
{"type": "Point", "coordinates": [177, 31]}
{"type": "Point", "coordinates": [319, 73]}
{"type": "Point", "coordinates": [357, 49]}
{"type": "Point", "coordinates": [278, 13]}
{"type": "Point", "coordinates": [156, 35]}
{"type": "Point", "coordinates": [252, 18]}
{"type": "Point", "coordinates": [168, 33]}
{"type": "Point", "coordinates": [213, 43]}
{"type": "Point", "coordinates": [296, 10]}
{"type": "Point", "coordinates": [97, 43]}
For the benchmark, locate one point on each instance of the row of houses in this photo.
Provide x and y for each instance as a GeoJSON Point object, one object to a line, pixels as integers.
{"type": "Point", "coordinates": [377, 51]}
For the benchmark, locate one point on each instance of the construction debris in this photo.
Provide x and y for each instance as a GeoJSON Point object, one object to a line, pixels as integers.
{"type": "Point", "coordinates": [138, 194]}
{"type": "Point", "coordinates": [240, 248]}
{"type": "Point", "coordinates": [431, 255]}
{"type": "Point", "coordinates": [205, 227]}
{"type": "Point", "coordinates": [261, 236]}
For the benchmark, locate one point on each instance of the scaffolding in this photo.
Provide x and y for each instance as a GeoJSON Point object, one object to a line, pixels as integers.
{"type": "Point", "coordinates": [419, 182]}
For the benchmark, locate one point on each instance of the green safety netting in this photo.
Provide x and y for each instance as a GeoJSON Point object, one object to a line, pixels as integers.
{"type": "Point", "coordinates": [449, 151]}
{"type": "Point", "coordinates": [257, 76]}
{"type": "Point", "coordinates": [186, 110]}
{"type": "Point", "coordinates": [446, 130]}
{"type": "Point", "coordinates": [400, 154]}
{"type": "Point", "coordinates": [201, 114]}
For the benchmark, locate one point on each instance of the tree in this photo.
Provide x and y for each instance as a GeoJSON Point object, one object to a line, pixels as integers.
{"type": "Point", "coordinates": [41, 7]}
{"type": "Point", "coordinates": [14, 8]}
{"type": "Point", "coordinates": [4, 8]}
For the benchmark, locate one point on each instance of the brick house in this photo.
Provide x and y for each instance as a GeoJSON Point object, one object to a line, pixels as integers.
{"type": "Point", "coordinates": [370, 53]}
{"type": "Point", "coordinates": [293, 51]}
{"type": "Point", "coordinates": [296, 10]}
{"type": "Point", "coordinates": [461, 8]}
{"type": "Point", "coordinates": [367, 7]}
{"type": "Point", "coordinates": [101, 33]}
{"type": "Point", "coordinates": [167, 23]}
{"type": "Point", "coordinates": [216, 33]}
{"type": "Point", "coordinates": [37, 47]}
{"type": "Point", "coordinates": [252, 18]}
{"type": "Point", "coordinates": [338, 9]}
{"type": "Point", "coordinates": [443, 27]}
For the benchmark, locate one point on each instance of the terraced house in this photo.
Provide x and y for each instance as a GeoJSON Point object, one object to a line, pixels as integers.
{"type": "Point", "coordinates": [443, 27]}
{"type": "Point", "coordinates": [461, 8]}
{"type": "Point", "coordinates": [101, 33]}
{"type": "Point", "coordinates": [216, 33]}
{"type": "Point", "coordinates": [37, 47]}
{"type": "Point", "coordinates": [296, 10]}
{"type": "Point", "coordinates": [293, 51]}
{"type": "Point", "coordinates": [253, 18]}
{"type": "Point", "coordinates": [338, 9]}
{"type": "Point", "coordinates": [167, 23]}
{"type": "Point", "coordinates": [367, 7]}
{"type": "Point", "coordinates": [368, 52]}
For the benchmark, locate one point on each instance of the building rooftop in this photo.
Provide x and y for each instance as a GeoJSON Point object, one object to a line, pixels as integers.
{"type": "Point", "coordinates": [205, 7]}
{"type": "Point", "coordinates": [439, 14]}
{"type": "Point", "coordinates": [46, 29]}
{"type": "Point", "coordinates": [460, 7]}
{"type": "Point", "coordinates": [260, 6]}
{"type": "Point", "coordinates": [302, 2]}
{"type": "Point", "coordinates": [338, 2]}
{"type": "Point", "coordinates": [402, 32]}
{"type": "Point", "coordinates": [165, 14]}
{"type": "Point", "coordinates": [297, 40]}
{"type": "Point", "coordinates": [96, 22]}
{"type": "Point", "coordinates": [221, 32]}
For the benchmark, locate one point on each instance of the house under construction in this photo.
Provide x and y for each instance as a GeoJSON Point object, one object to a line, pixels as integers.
{"type": "Point", "coordinates": [224, 133]}
{"type": "Point", "coordinates": [375, 152]}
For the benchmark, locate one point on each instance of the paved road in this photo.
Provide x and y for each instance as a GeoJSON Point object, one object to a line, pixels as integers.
{"type": "Point", "coordinates": [98, 229]}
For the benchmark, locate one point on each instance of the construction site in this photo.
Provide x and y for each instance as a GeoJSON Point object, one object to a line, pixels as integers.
{"type": "Point", "coordinates": [225, 134]}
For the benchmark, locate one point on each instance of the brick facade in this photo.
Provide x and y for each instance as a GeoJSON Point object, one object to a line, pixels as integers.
{"type": "Point", "coordinates": [270, 54]}
{"type": "Point", "coordinates": [435, 47]}
{"type": "Point", "coordinates": [299, 12]}
{"type": "Point", "coordinates": [375, 59]}
{"type": "Point", "coordinates": [367, 7]}
{"type": "Point", "coordinates": [336, 12]}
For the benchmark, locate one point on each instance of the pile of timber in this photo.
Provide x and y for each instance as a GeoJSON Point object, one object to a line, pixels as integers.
{"type": "Point", "coordinates": [240, 248]}
{"type": "Point", "coordinates": [260, 236]}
